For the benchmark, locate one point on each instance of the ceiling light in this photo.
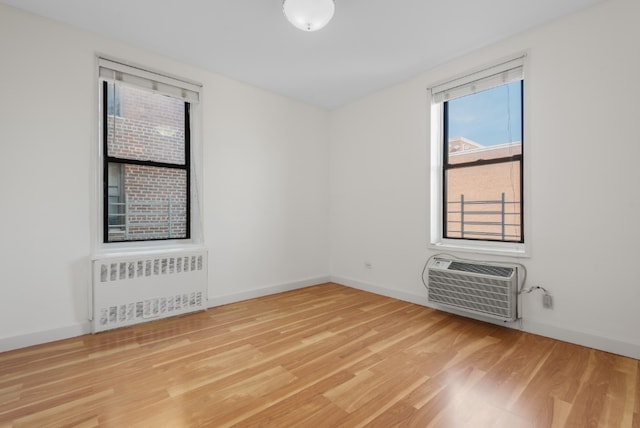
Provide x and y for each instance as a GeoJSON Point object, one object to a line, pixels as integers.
{"type": "Point", "coordinates": [309, 15]}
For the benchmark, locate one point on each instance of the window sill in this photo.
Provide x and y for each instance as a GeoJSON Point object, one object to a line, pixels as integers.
{"type": "Point", "coordinates": [142, 248]}
{"type": "Point", "coordinates": [478, 247]}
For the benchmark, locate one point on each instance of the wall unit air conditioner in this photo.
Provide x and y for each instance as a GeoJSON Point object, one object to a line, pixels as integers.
{"type": "Point", "coordinates": [487, 289]}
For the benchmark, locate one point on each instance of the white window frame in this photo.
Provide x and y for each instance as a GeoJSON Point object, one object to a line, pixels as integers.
{"type": "Point", "coordinates": [168, 85]}
{"type": "Point", "coordinates": [436, 136]}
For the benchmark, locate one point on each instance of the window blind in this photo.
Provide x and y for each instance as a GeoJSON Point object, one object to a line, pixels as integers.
{"type": "Point", "coordinates": [487, 78]}
{"type": "Point", "coordinates": [158, 83]}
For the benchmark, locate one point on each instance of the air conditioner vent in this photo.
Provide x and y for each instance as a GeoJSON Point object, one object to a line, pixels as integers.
{"type": "Point", "coordinates": [478, 288]}
{"type": "Point", "coordinates": [501, 271]}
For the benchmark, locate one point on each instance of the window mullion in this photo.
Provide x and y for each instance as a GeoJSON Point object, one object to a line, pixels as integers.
{"type": "Point", "coordinates": [482, 162]}
{"type": "Point", "coordinates": [112, 159]}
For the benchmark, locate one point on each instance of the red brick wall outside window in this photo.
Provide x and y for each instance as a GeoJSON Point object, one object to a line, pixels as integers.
{"type": "Point", "coordinates": [482, 187]}
{"type": "Point", "coordinates": [147, 196]}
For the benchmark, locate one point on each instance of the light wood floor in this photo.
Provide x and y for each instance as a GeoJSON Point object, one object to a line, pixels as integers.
{"type": "Point", "coordinates": [322, 356]}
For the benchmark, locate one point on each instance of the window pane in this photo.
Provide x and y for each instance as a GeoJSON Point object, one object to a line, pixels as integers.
{"type": "Point", "coordinates": [115, 200]}
{"type": "Point", "coordinates": [153, 204]}
{"type": "Point", "coordinates": [114, 107]}
{"type": "Point", "coordinates": [462, 151]}
{"type": "Point", "coordinates": [483, 202]}
{"type": "Point", "coordinates": [147, 126]}
{"type": "Point", "coordinates": [487, 118]}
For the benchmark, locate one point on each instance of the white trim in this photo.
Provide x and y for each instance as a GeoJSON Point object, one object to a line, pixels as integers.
{"type": "Point", "coordinates": [436, 239]}
{"type": "Point", "coordinates": [145, 251]}
{"type": "Point", "coordinates": [81, 329]}
{"type": "Point", "coordinates": [499, 73]}
{"type": "Point", "coordinates": [266, 291]}
{"type": "Point", "coordinates": [380, 290]}
{"type": "Point", "coordinates": [142, 77]}
{"type": "Point", "coordinates": [588, 339]}
{"type": "Point", "coordinates": [436, 163]}
{"type": "Point", "coordinates": [506, 249]}
{"type": "Point", "coordinates": [112, 59]}
{"type": "Point", "coordinates": [44, 336]}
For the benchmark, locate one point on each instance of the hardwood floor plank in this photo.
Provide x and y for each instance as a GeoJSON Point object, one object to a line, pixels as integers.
{"type": "Point", "coordinates": [327, 356]}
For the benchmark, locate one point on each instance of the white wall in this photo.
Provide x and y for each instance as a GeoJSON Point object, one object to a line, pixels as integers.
{"type": "Point", "coordinates": [265, 168]}
{"type": "Point", "coordinates": [267, 193]}
{"type": "Point", "coordinates": [584, 147]}
{"type": "Point", "coordinates": [274, 189]}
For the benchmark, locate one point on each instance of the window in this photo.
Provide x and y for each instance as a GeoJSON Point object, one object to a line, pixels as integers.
{"type": "Point", "coordinates": [478, 197]}
{"type": "Point", "coordinates": [146, 154]}
{"type": "Point", "coordinates": [114, 102]}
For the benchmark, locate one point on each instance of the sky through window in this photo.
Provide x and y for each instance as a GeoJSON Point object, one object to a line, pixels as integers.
{"type": "Point", "coordinates": [489, 117]}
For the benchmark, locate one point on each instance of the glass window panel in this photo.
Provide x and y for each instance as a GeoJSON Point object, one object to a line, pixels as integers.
{"type": "Point", "coordinates": [483, 202]}
{"type": "Point", "coordinates": [146, 126]}
{"type": "Point", "coordinates": [486, 118]}
{"type": "Point", "coordinates": [153, 203]}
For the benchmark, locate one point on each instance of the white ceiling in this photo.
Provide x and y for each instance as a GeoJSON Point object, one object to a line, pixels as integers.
{"type": "Point", "coordinates": [369, 44]}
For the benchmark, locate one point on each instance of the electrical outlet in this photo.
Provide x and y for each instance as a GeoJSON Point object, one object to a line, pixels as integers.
{"type": "Point", "coordinates": [547, 301]}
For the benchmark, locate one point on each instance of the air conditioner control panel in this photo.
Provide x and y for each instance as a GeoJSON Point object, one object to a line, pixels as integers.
{"type": "Point", "coordinates": [440, 263]}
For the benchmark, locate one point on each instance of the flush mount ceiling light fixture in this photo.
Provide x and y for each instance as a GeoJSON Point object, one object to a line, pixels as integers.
{"type": "Point", "coordinates": [309, 15]}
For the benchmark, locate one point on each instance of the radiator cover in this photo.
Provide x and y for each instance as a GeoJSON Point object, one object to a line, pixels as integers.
{"type": "Point", "coordinates": [486, 289]}
{"type": "Point", "coordinates": [132, 289]}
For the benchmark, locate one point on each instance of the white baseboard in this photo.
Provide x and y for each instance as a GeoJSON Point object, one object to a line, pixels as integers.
{"type": "Point", "coordinates": [589, 340]}
{"type": "Point", "coordinates": [376, 289]}
{"type": "Point", "coordinates": [265, 291]}
{"type": "Point", "coordinates": [44, 336]}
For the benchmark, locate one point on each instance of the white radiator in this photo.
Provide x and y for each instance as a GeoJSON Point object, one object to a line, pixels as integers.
{"type": "Point", "coordinates": [486, 289]}
{"type": "Point", "coordinates": [134, 289]}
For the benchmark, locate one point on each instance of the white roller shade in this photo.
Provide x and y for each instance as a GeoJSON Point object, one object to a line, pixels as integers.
{"type": "Point", "coordinates": [488, 78]}
{"type": "Point", "coordinates": [158, 83]}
